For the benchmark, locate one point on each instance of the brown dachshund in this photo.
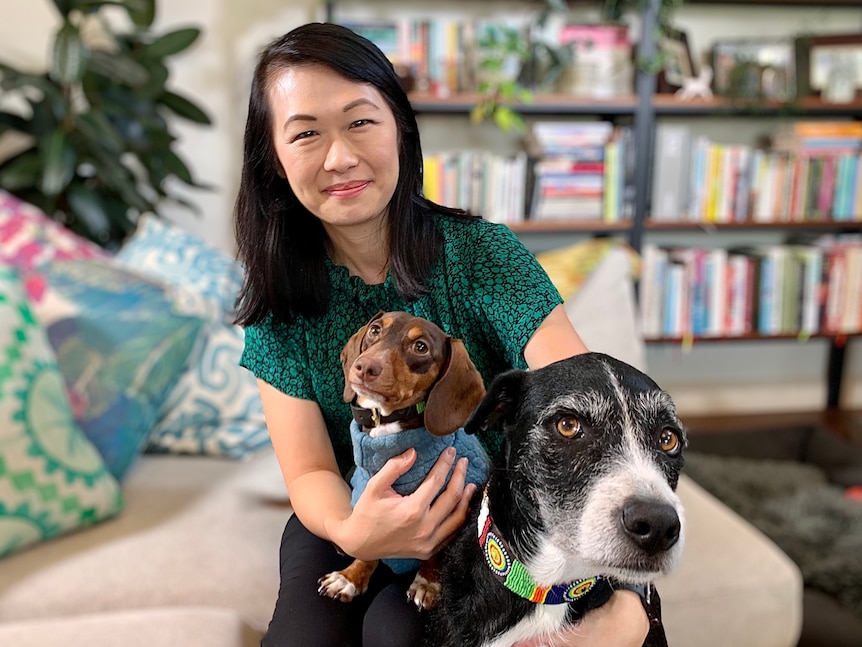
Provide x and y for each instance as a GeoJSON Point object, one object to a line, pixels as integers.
{"type": "Point", "coordinates": [409, 385]}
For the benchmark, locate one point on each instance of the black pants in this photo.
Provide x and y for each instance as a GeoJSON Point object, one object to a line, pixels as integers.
{"type": "Point", "coordinates": [382, 616]}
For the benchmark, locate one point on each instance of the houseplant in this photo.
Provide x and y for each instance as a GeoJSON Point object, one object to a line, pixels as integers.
{"type": "Point", "coordinates": [541, 61]}
{"type": "Point", "coordinates": [98, 143]}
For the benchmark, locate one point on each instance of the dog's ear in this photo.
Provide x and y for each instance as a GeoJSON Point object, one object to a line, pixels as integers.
{"type": "Point", "coordinates": [455, 394]}
{"type": "Point", "coordinates": [350, 352]}
{"type": "Point", "coordinates": [499, 404]}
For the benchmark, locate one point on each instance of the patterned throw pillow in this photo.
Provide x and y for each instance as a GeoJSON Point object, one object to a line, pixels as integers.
{"type": "Point", "coordinates": [29, 239]}
{"type": "Point", "coordinates": [121, 342]}
{"type": "Point", "coordinates": [215, 407]}
{"type": "Point", "coordinates": [168, 253]}
{"type": "Point", "coordinates": [52, 479]}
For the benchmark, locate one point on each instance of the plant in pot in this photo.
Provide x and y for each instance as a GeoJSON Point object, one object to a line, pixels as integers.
{"type": "Point", "coordinates": [98, 148]}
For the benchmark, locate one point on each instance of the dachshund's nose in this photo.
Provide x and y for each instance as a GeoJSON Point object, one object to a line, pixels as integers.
{"type": "Point", "coordinates": [367, 369]}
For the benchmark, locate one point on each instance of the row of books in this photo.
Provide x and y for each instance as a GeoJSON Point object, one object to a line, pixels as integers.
{"type": "Point", "coordinates": [570, 171]}
{"type": "Point", "coordinates": [791, 289]}
{"type": "Point", "coordinates": [583, 170]}
{"type": "Point", "coordinates": [494, 186]}
{"type": "Point", "coordinates": [445, 56]}
{"type": "Point", "coordinates": [802, 177]}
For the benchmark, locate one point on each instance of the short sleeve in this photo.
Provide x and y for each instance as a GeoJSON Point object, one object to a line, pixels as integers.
{"type": "Point", "coordinates": [276, 354]}
{"type": "Point", "coordinates": [513, 292]}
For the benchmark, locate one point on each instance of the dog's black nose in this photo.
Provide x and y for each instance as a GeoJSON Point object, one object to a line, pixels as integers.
{"type": "Point", "coordinates": [652, 526]}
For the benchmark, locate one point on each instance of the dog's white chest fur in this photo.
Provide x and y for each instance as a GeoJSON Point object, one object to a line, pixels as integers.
{"type": "Point", "coordinates": [544, 622]}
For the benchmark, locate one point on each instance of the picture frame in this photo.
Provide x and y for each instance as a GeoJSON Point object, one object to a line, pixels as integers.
{"type": "Point", "coordinates": [677, 61]}
{"type": "Point", "coordinates": [755, 70]}
{"type": "Point", "coordinates": [830, 66]}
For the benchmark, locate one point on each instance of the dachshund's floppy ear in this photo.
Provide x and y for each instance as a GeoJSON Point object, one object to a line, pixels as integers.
{"type": "Point", "coordinates": [455, 394]}
{"type": "Point", "coordinates": [499, 404]}
{"type": "Point", "coordinates": [352, 349]}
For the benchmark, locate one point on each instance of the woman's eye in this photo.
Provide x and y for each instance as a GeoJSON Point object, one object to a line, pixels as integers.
{"type": "Point", "coordinates": [303, 135]}
{"type": "Point", "coordinates": [359, 123]}
{"type": "Point", "coordinates": [569, 427]}
{"type": "Point", "coordinates": [669, 442]}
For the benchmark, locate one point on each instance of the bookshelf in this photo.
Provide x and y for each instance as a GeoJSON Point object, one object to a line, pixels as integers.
{"type": "Point", "coordinates": [645, 109]}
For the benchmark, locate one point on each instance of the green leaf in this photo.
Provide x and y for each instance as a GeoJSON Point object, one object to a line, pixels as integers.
{"type": "Point", "coordinates": [96, 130]}
{"type": "Point", "coordinates": [171, 43]}
{"type": "Point", "coordinates": [142, 12]}
{"type": "Point", "coordinates": [21, 172]}
{"type": "Point", "coordinates": [119, 68]}
{"type": "Point", "coordinates": [182, 107]}
{"type": "Point", "coordinates": [64, 6]}
{"type": "Point", "coordinates": [70, 55]}
{"type": "Point", "coordinates": [177, 167]}
{"type": "Point", "coordinates": [59, 161]}
{"type": "Point", "coordinates": [98, 212]}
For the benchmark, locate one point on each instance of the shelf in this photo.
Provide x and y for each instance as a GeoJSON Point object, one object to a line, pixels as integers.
{"type": "Point", "coordinates": [543, 104]}
{"type": "Point", "coordinates": [548, 226]}
{"type": "Point", "coordinates": [671, 225]}
{"type": "Point", "coordinates": [845, 424]}
{"type": "Point", "coordinates": [751, 337]}
{"type": "Point", "coordinates": [668, 104]}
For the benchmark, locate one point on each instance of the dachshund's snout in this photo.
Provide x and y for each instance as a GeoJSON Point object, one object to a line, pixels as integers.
{"type": "Point", "coordinates": [652, 526]}
{"type": "Point", "coordinates": [366, 369]}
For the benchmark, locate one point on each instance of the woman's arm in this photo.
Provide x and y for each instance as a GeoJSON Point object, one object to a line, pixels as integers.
{"type": "Point", "coordinates": [554, 339]}
{"type": "Point", "coordinates": [383, 523]}
{"type": "Point", "coordinates": [622, 621]}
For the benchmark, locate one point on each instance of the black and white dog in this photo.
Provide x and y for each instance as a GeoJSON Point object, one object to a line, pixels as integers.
{"type": "Point", "coordinates": [581, 502]}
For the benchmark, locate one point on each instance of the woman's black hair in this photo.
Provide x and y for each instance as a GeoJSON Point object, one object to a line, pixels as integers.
{"type": "Point", "coordinates": [283, 245]}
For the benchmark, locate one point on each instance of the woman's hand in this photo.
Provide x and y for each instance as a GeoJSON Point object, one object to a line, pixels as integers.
{"type": "Point", "coordinates": [386, 524]}
{"type": "Point", "coordinates": [620, 622]}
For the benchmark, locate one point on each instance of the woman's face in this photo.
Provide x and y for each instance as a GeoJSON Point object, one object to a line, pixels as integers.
{"type": "Point", "coordinates": [337, 143]}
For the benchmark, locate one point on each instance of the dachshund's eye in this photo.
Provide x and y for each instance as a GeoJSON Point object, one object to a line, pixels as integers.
{"type": "Point", "coordinates": [374, 330]}
{"type": "Point", "coordinates": [420, 347]}
{"type": "Point", "coordinates": [669, 442]}
{"type": "Point", "coordinates": [569, 427]}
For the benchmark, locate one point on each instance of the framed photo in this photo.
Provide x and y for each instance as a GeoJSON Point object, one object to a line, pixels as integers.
{"type": "Point", "coordinates": [830, 66]}
{"type": "Point", "coordinates": [756, 70]}
{"type": "Point", "coordinates": [677, 62]}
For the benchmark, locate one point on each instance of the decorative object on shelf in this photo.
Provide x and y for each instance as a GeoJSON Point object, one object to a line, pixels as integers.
{"type": "Point", "coordinates": [677, 63]}
{"type": "Point", "coordinates": [601, 64]}
{"type": "Point", "coordinates": [697, 86]}
{"type": "Point", "coordinates": [830, 65]}
{"type": "Point", "coordinates": [755, 70]}
{"type": "Point", "coordinates": [98, 148]}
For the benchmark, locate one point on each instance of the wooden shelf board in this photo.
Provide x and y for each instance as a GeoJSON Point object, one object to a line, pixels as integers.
{"type": "Point", "coordinates": [845, 423]}
{"type": "Point", "coordinates": [541, 226]}
{"type": "Point", "coordinates": [669, 104]}
{"type": "Point", "coordinates": [560, 104]}
{"type": "Point", "coordinates": [749, 338]}
{"type": "Point", "coordinates": [712, 226]}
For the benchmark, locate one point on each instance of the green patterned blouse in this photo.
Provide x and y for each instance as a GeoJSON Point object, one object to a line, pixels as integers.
{"type": "Point", "coordinates": [486, 289]}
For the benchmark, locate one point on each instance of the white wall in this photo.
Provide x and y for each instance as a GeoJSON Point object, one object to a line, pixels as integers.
{"type": "Point", "coordinates": [711, 378]}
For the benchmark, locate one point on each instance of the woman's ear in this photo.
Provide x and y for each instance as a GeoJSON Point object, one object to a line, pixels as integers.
{"type": "Point", "coordinates": [455, 394]}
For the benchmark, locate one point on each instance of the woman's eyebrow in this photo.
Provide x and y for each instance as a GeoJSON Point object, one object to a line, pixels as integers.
{"type": "Point", "coordinates": [350, 106]}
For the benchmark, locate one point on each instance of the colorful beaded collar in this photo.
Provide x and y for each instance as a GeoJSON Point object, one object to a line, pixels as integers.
{"type": "Point", "coordinates": [513, 574]}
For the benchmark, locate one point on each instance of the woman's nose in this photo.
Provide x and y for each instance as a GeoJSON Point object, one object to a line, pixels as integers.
{"type": "Point", "coordinates": [341, 156]}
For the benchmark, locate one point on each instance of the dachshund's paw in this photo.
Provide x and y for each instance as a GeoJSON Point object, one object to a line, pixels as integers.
{"type": "Point", "coordinates": [337, 587]}
{"type": "Point", "coordinates": [425, 594]}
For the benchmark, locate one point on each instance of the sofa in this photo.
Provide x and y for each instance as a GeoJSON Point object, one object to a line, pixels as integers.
{"type": "Point", "coordinates": [167, 533]}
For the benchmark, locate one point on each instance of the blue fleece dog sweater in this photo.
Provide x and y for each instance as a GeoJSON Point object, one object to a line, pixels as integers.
{"type": "Point", "coordinates": [369, 455]}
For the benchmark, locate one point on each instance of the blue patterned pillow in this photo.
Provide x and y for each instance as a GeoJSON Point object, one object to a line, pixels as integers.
{"type": "Point", "coordinates": [121, 342]}
{"type": "Point", "coordinates": [52, 479]}
{"type": "Point", "coordinates": [215, 407]}
{"type": "Point", "coordinates": [165, 252]}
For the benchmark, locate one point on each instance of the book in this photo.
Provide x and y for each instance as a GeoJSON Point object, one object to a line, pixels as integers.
{"type": "Point", "coordinates": [670, 172]}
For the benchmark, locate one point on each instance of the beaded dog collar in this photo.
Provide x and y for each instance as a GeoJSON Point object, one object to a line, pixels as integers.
{"type": "Point", "coordinates": [513, 574]}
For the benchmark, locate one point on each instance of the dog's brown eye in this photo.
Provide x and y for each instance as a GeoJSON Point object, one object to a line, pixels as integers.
{"type": "Point", "coordinates": [374, 330]}
{"type": "Point", "coordinates": [420, 347]}
{"type": "Point", "coordinates": [669, 441]}
{"type": "Point", "coordinates": [569, 427]}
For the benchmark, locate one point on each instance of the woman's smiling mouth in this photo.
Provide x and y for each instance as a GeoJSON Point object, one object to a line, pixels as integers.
{"type": "Point", "coordinates": [347, 189]}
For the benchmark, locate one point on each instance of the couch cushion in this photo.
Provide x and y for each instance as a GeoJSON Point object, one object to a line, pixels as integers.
{"type": "Point", "coordinates": [733, 585]}
{"type": "Point", "coordinates": [195, 531]}
{"type": "Point", "coordinates": [52, 479]}
{"type": "Point", "coordinates": [121, 341]}
{"type": "Point", "coordinates": [215, 406]}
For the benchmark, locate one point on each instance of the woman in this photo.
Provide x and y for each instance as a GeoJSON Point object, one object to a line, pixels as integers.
{"type": "Point", "coordinates": [332, 227]}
